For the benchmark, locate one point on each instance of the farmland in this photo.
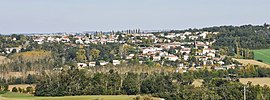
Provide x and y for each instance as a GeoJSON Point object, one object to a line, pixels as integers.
{"type": "Point", "coordinates": [252, 62]}
{"type": "Point", "coordinates": [254, 81]}
{"type": "Point", "coordinates": [263, 55]}
{"type": "Point", "coordinates": [19, 96]}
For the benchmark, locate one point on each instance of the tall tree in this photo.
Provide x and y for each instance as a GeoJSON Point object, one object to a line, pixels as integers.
{"type": "Point", "coordinates": [80, 55]}
{"type": "Point", "coordinates": [94, 53]}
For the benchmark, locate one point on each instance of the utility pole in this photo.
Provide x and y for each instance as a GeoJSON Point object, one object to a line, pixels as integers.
{"type": "Point", "coordinates": [245, 98]}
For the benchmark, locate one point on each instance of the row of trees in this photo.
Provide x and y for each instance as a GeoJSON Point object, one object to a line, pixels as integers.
{"type": "Point", "coordinates": [22, 90]}
{"type": "Point", "coordinates": [78, 82]}
{"type": "Point", "coordinates": [169, 86]}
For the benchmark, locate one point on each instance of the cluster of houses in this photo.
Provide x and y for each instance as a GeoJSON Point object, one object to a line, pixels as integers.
{"type": "Point", "coordinates": [173, 47]}
{"type": "Point", "coordinates": [93, 64]}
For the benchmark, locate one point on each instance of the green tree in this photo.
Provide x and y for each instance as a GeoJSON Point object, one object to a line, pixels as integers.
{"type": "Point", "coordinates": [30, 79]}
{"type": "Point", "coordinates": [14, 89]}
{"type": "Point", "coordinates": [29, 89]}
{"type": "Point", "coordinates": [94, 54]}
{"type": "Point", "coordinates": [80, 55]}
{"type": "Point", "coordinates": [131, 84]}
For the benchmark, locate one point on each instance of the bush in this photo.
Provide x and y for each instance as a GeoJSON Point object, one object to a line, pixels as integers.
{"type": "Point", "coordinates": [20, 90]}
{"type": "Point", "coordinates": [137, 98]}
{"type": "Point", "coordinates": [260, 60]}
{"type": "Point", "coordinates": [29, 89]}
{"type": "Point", "coordinates": [3, 92]}
{"type": "Point", "coordinates": [14, 89]}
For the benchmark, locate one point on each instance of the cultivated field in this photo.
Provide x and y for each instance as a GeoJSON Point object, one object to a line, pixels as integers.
{"type": "Point", "coordinates": [254, 81]}
{"type": "Point", "coordinates": [263, 54]}
{"type": "Point", "coordinates": [19, 96]}
{"type": "Point", "coordinates": [252, 62]}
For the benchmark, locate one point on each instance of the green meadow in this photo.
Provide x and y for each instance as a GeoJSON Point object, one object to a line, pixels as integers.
{"type": "Point", "coordinates": [263, 55]}
{"type": "Point", "coordinates": [20, 96]}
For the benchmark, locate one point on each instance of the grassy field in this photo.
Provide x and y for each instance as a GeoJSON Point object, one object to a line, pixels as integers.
{"type": "Point", "coordinates": [19, 96]}
{"type": "Point", "coordinates": [262, 54]}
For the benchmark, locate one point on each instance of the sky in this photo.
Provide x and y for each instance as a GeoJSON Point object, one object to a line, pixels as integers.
{"type": "Point", "coordinates": [45, 16]}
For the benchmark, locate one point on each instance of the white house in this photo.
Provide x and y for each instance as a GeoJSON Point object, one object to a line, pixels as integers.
{"type": "Point", "coordinates": [87, 41]}
{"type": "Point", "coordinates": [39, 40]}
{"type": "Point", "coordinates": [172, 57]}
{"type": "Point", "coordinates": [130, 56]}
{"type": "Point", "coordinates": [156, 58]}
{"type": "Point", "coordinates": [219, 68]}
{"type": "Point", "coordinates": [211, 54]}
{"type": "Point", "coordinates": [193, 37]}
{"type": "Point", "coordinates": [207, 50]}
{"type": "Point", "coordinates": [116, 62]}
{"type": "Point", "coordinates": [65, 39]}
{"type": "Point", "coordinates": [103, 63]}
{"type": "Point", "coordinates": [186, 57]}
{"type": "Point", "coordinates": [185, 50]}
{"type": "Point", "coordinates": [187, 33]}
{"type": "Point", "coordinates": [79, 41]}
{"type": "Point", "coordinates": [181, 65]}
{"type": "Point", "coordinates": [81, 65]}
{"type": "Point", "coordinates": [16, 49]}
{"type": "Point", "coordinates": [203, 35]}
{"type": "Point", "coordinates": [92, 64]}
{"type": "Point", "coordinates": [50, 39]}
{"type": "Point", "coordinates": [232, 66]}
{"type": "Point", "coordinates": [221, 63]}
{"type": "Point", "coordinates": [148, 50]}
{"type": "Point", "coordinates": [170, 35]}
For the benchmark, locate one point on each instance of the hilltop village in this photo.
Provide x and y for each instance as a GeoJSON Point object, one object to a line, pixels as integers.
{"type": "Point", "coordinates": [183, 50]}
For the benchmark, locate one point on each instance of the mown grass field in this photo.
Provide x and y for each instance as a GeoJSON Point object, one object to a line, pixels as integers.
{"type": "Point", "coordinates": [20, 96]}
{"type": "Point", "coordinates": [262, 54]}
{"type": "Point", "coordinates": [254, 81]}
{"type": "Point", "coordinates": [252, 62]}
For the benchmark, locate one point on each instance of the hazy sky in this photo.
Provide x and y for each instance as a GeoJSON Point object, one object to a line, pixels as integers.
{"type": "Point", "coordinates": [23, 16]}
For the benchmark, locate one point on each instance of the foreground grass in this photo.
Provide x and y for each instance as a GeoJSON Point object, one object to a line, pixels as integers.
{"type": "Point", "coordinates": [262, 54]}
{"type": "Point", "coordinates": [20, 96]}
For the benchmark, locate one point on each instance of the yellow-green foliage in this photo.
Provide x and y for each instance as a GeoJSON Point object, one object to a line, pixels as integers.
{"type": "Point", "coordinates": [31, 56]}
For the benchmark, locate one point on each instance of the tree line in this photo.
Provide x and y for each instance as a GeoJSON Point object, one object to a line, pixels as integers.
{"type": "Point", "coordinates": [170, 85]}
